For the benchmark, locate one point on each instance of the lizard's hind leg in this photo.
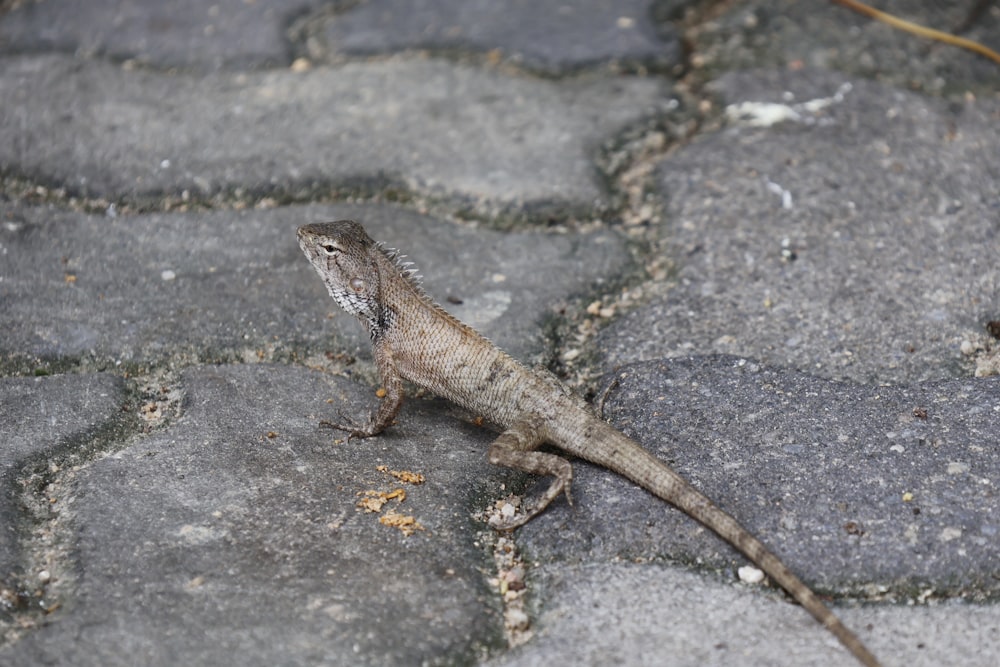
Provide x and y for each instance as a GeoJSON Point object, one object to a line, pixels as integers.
{"type": "Point", "coordinates": [515, 448]}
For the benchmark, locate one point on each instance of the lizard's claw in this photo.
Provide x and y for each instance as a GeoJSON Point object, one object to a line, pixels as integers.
{"type": "Point", "coordinates": [349, 426]}
{"type": "Point", "coordinates": [559, 485]}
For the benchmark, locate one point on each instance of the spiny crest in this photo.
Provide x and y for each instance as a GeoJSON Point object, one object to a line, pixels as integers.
{"type": "Point", "coordinates": [412, 278]}
{"type": "Point", "coordinates": [406, 269]}
{"type": "Point", "coordinates": [409, 274]}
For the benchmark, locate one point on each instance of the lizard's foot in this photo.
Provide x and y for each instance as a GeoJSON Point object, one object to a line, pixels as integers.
{"type": "Point", "coordinates": [563, 474]}
{"type": "Point", "coordinates": [352, 428]}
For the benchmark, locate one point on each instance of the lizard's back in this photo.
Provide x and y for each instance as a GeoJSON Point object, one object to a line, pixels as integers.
{"type": "Point", "coordinates": [436, 351]}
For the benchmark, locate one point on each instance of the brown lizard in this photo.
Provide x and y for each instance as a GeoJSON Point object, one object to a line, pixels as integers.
{"type": "Point", "coordinates": [414, 339]}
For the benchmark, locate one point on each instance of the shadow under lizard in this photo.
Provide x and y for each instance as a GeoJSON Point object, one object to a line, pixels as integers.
{"type": "Point", "coordinates": [416, 340]}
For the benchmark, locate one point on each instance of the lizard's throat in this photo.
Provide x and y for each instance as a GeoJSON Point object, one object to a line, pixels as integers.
{"type": "Point", "coordinates": [358, 306]}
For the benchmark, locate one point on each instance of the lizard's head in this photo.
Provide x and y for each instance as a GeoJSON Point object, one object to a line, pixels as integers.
{"type": "Point", "coordinates": [344, 256]}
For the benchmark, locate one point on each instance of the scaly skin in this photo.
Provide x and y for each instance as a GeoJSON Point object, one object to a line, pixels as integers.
{"type": "Point", "coordinates": [414, 339]}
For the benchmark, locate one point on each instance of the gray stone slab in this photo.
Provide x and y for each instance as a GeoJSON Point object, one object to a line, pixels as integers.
{"type": "Point", "coordinates": [874, 491]}
{"type": "Point", "coordinates": [855, 240]}
{"type": "Point", "coordinates": [43, 421]}
{"type": "Point", "coordinates": [480, 139]}
{"type": "Point", "coordinates": [648, 615]}
{"type": "Point", "coordinates": [233, 537]}
{"type": "Point", "coordinates": [163, 33]}
{"type": "Point", "coordinates": [554, 38]}
{"type": "Point", "coordinates": [226, 284]}
{"type": "Point", "coordinates": [788, 33]}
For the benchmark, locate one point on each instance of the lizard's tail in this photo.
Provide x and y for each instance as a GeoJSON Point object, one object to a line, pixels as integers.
{"type": "Point", "coordinates": [627, 458]}
{"type": "Point", "coordinates": [752, 548]}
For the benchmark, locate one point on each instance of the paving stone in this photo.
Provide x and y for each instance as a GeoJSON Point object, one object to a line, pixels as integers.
{"type": "Point", "coordinates": [234, 284]}
{"type": "Point", "coordinates": [855, 240]}
{"type": "Point", "coordinates": [44, 420]}
{"type": "Point", "coordinates": [232, 536]}
{"type": "Point", "coordinates": [635, 614]}
{"type": "Point", "coordinates": [481, 139]}
{"type": "Point", "coordinates": [789, 33]}
{"type": "Point", "coordinates": [875, 491]}
{"type": "Point", "coordinates": [162, 33]}
{"type": "Point", "coordinates": [554, 38]}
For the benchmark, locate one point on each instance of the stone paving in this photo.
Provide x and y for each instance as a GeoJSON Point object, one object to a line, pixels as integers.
{"type": "Point", "coordinates": [764, 236]}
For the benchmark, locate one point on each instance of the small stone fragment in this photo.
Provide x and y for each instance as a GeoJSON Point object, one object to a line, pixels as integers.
{"type": "Point", "coordinates": [749, 574]}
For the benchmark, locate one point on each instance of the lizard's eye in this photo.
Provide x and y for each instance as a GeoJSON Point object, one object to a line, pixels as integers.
{"type": "Point", "coordinates": [328, 248]}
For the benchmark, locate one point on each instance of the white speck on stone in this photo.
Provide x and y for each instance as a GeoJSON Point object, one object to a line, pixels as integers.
{"type": "Point", "coordinates": [950, 533]}
{"type": "Point", "coordinates": [517, 619]}
{"type": "Point", "coordinates": [749, 574]}
{"type": "Point", "coordinates": [957, 468]}
{"type": "Point", "coordinates": [786, 200]}
{"type": "Point", "coordinates": [198, 534]}
{"type": "Point", "coordinates": [44, 577]}
{"type": "Point", "coordinates": [164, 164]}
{"type": "Point", "coordinates": [766, 114]}
{"type": "Point", "coordinates": [760, 114]}
{"type": "Point", "coordinates": [167, 274]}
{"type": "Point", "coordinates": [899, 449]}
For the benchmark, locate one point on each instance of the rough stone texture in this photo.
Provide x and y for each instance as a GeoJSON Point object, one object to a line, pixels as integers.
{"type": "Point", "coordinates": [43, 420]}
{"type": "Point", "coordinates": [179, 33]}
{"type": "Point", "coordinates": [233, 536]}
{"type": "Point", "coordinates": [755, 438]}
{"type": "Point", "coordinates": [797, 33]}
{"type": "Point", "coordinates": [549, 37]}
{"type": "Point", "coordinates": [229, 284]}
{"type": "Point", "coordinates": [441, 130]}
{"type": "Point", "coordinates": [631, 614]}
{"type": "Point", "coordinates": [858, 241]}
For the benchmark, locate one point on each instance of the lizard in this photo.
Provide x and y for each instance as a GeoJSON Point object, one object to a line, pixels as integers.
{"type": "Point", "coordinates": [416, 340]}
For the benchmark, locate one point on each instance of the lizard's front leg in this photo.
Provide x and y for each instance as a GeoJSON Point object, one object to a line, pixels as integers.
{"type": "Point", "coordinates": [515, 448]}
{"type": "Point", "coordinates": [391, 400]}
